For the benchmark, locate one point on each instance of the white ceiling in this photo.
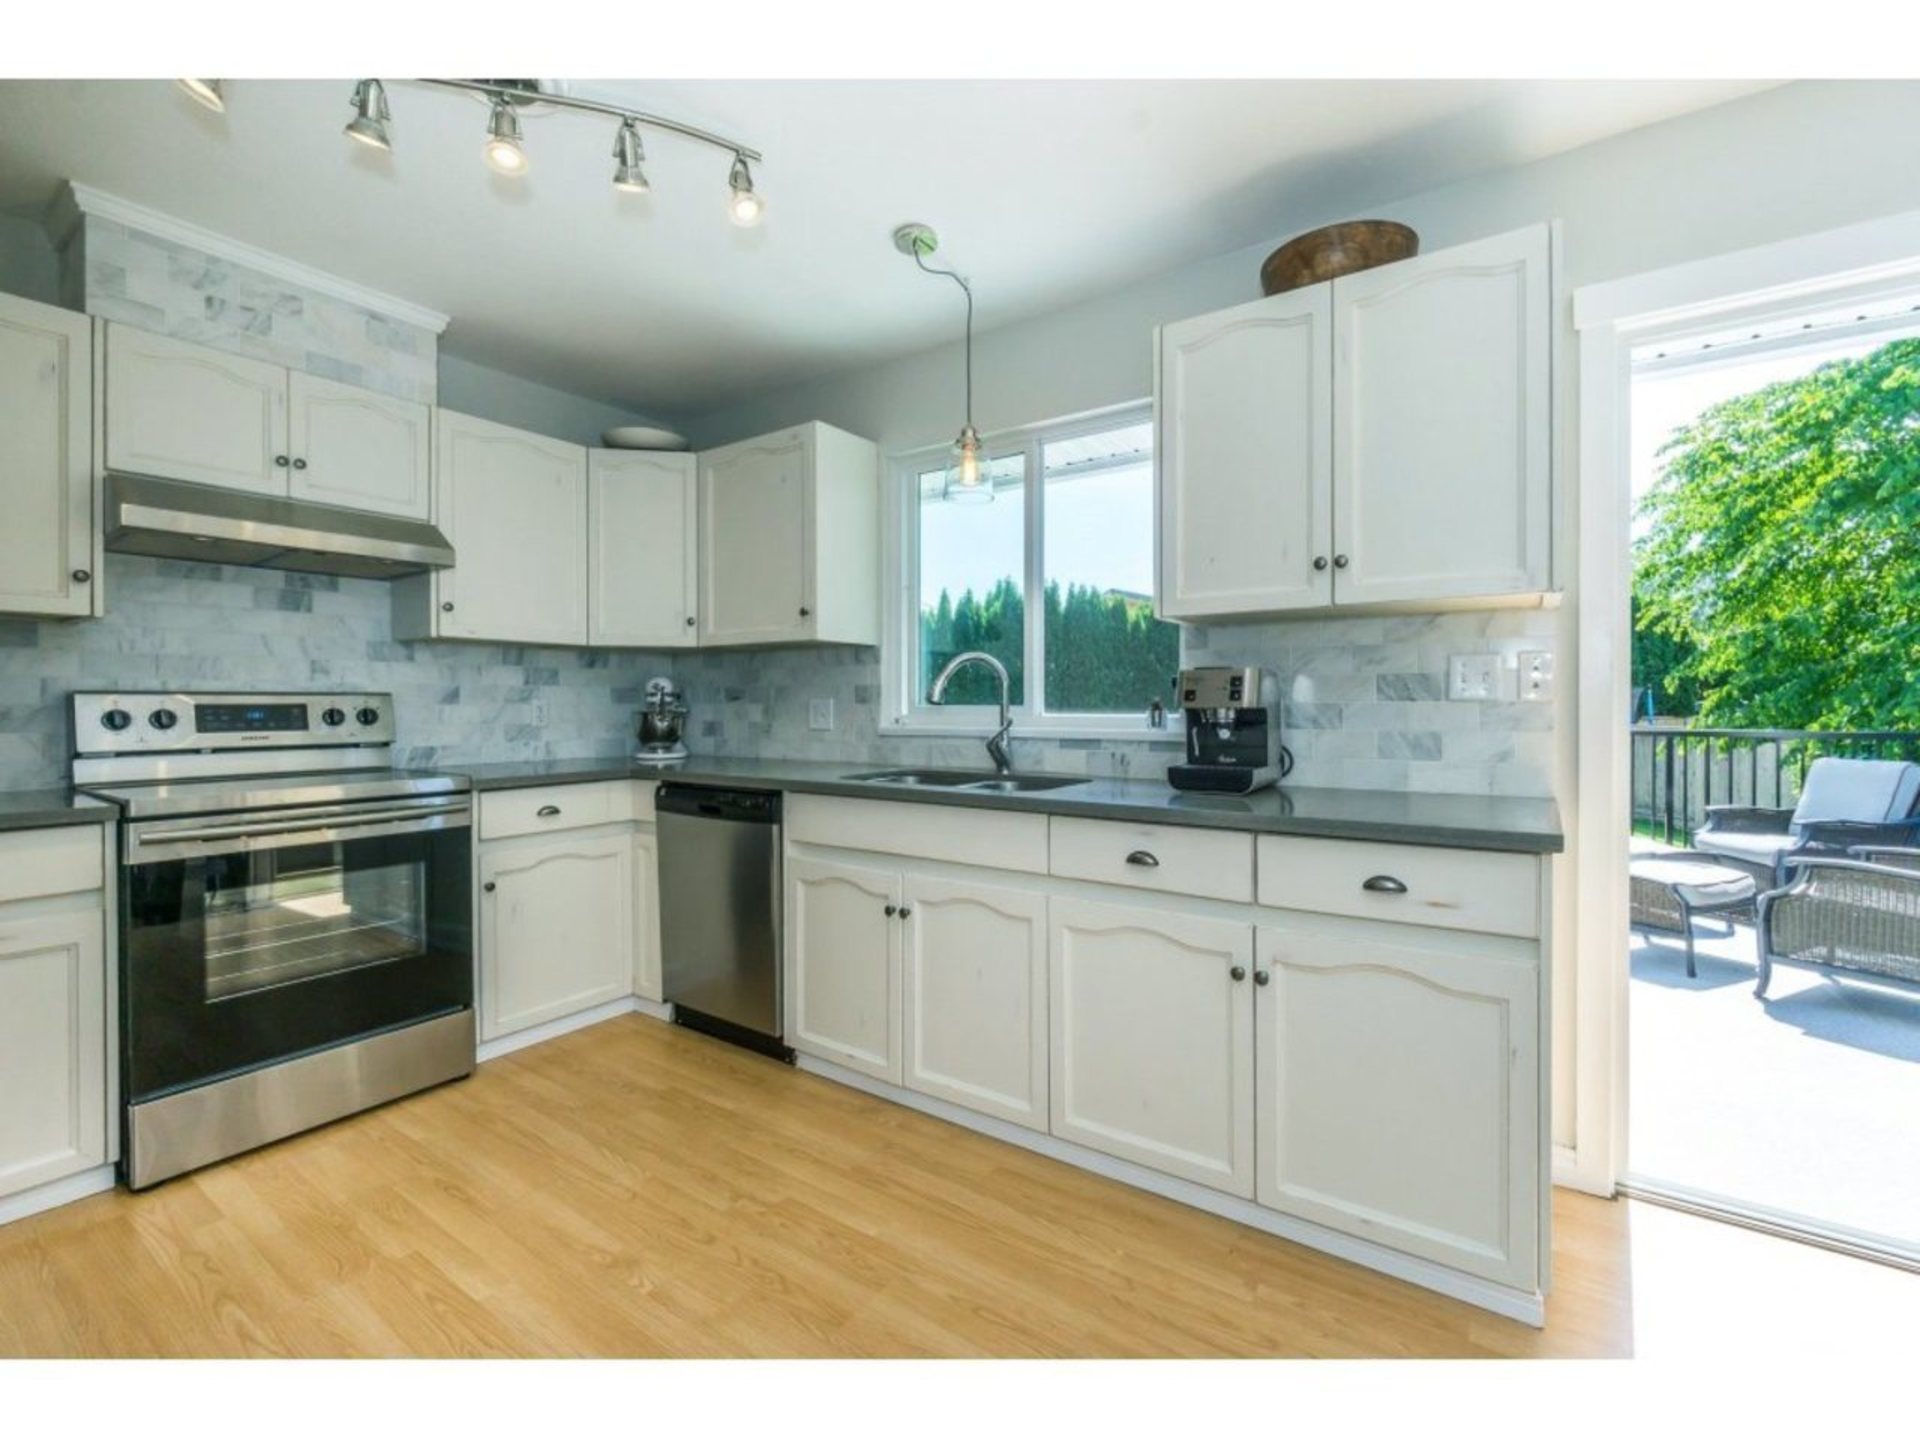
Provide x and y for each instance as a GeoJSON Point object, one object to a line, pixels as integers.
{"type": "Point", "coordinates": [1044, 193]}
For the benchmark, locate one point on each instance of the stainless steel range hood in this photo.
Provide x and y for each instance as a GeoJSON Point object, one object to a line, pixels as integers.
{"type": "Point", "coordinates": [180, 521]}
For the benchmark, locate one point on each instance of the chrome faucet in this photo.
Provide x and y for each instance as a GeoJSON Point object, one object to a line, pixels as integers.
{"type": "Point", "coordinates": [997, 743]}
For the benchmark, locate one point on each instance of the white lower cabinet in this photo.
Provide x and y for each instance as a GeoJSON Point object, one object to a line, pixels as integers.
{"type": "Point", "coordinates": [1398, 1091]}
{"type": "Point", "coordinates": [843, 964]}
{"type": "Point", "coordinates": [646, 914]}
{"type": "Point", "coordinates": [557, 927]}
{"type": "Point", "coordinates": [53, 1039]}
{"type": "Point", "coordinates": [975, 996]}
{"type": "Point", "coordinates": [1152, 1038]}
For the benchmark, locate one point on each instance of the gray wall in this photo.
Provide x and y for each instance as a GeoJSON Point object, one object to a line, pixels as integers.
{"type": "Point", "coordinates": [476, 389]}
{"type": "Point", "coordinates": [28, 264]}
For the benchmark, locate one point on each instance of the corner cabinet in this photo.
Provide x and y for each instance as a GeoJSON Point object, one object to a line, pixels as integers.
{"type": "Point", "coordinates": [514, 507]}
{"type": "Point", "coordinates": [48, 557]}
{"type": "Point", "coordinates": [1381, 440]}
{"type": "Point", "coordinates": [790, 539]}
{"type": "Point", "coordinates": [642, 549]}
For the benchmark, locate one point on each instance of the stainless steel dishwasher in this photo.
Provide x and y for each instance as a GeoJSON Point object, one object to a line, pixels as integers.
{"type": "Point", "coordinates": [720, 897]}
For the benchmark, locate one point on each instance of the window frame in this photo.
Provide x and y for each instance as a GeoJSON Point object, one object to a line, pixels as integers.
{"type": "Point", "coordinates": [906, 713]}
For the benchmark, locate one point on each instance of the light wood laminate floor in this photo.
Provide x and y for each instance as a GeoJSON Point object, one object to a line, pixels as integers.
{"type": "Point", "coordinates": [636, 1190]}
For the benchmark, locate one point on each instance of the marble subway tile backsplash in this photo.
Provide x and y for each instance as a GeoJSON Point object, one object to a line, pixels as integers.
{"type": "Point", "coordinates": [1363, 706]}
{"type": "Point", "coordinates": [177, 625]}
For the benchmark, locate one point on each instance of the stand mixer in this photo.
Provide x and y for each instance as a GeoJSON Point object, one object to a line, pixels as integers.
{"type": "Point", "coordinates": [662, 724]}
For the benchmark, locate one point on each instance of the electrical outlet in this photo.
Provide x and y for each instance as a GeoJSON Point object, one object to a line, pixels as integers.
{"type": "Point", "coordinates": [1536, 675]}
{"type": "Point", "coordinates": [1473, 677]}
{"type": "Point", "coordinates": [820, 714]}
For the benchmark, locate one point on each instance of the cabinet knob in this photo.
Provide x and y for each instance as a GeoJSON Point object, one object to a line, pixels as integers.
{"type": "Point", "coordinates": [804, 612]}
{"type": "Point", "coordinates": [1384, 885]}
{"type": "Point", "coordinates": [1239, 972]}
{"type": "Point", "coordinates": [547, 812]}
{"type": "Point", "coordinates": [1339, 562]}
{"type": "Point", "coordinates": [1144, 857]}
{"type": "Point", "coordinates": [892, 910]}
{"type": "Point", "coordinates": [689, 622]}
{"type": "Point", "coordinates": [488, 887]}
{"type": "Point", "coordinates": [299, 464]}
{"type": "Point", "coordinates": [81, 577]}
{"type": "Point", "coordinates": [905, 911]}
{"type": "Point", "coordinates": [1261, 977]}
{"type": "Point", "coordinates": [281, 461]}
{"type": "Point", "coordinates": [447, 606]}
{"type": "Point", "coordinates": [1319, 562]}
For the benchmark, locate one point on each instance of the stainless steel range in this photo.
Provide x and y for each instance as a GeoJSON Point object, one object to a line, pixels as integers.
{"type": "Point", "coordinates": [296, 916]}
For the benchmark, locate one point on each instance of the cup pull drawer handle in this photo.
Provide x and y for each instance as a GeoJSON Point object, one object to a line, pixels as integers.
{"type": "Point", "coordinates": [1144, 857]}
{"type": "Point", "coordinates": [545, 810]}
{"type": "Point", "coordinates": [1384, 885]}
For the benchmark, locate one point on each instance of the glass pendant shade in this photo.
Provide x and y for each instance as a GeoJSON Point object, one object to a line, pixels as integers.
{"type": "Point", "coordinates": [967, 480]}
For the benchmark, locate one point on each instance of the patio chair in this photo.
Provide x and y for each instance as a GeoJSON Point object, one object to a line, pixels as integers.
{"type": "Point", "coordinates": [1843, 915]}
{"type": "Point", "coordinates": [1843, 804]}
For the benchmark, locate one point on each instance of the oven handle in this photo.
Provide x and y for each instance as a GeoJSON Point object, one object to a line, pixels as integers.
{"type": "Point", "coordinates": [314, 823]}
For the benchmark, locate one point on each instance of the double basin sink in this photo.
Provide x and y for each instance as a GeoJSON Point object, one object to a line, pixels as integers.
{"type": "Point", "coordinates": [974, 781]}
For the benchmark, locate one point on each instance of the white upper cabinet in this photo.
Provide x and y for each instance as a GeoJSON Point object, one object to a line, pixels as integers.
{"type": "Point", "coordinates": [47, 560]}
{"type": "Point", "coordinates": [356, 448]}
{"type": "Point", "coordinates": [514, 507]}
{"type": "Point", "coordinates": [186, 412]}
{"type": "Point", "coordinates": [1442, 405]}
{"type": "Point", "coordinates": [1399, 1078]}
{"type": "Point", "coordinates": [642, 548]}
{"type": "Point", "coordinates": [1383, 439]}
{"type": "Point", "coordinates": [790, 540]}
{"type": "Point", "coordinates": [1152, 1038]}
{"type": "Point", "coordinates": [1246, 458]}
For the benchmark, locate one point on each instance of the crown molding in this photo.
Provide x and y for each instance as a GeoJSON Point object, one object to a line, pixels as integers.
{"type": "Point", "coordinates": [77, 201]}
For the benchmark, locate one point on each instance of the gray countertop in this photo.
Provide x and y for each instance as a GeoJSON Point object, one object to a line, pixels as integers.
{"type": "Point", "coordinates": [37, 809]}
{"type": "Point", "coordinates": [1472, 822]}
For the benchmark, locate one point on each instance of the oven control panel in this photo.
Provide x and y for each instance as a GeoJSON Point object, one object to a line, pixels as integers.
{"type": "Point", "coordinates": [133, 721]}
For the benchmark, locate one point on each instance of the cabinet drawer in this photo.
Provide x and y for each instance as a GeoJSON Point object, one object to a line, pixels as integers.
{"type": "Point", "coordinates": [1417, 884]}
{"type": "Point", "coordinates": [554, 807]}
{"type": "Point", "coordinates": [1215, 863]}
{"type": "Point", "coordinates": [925, 832]}
{"type": "Point", "coordinates": [50, 862]}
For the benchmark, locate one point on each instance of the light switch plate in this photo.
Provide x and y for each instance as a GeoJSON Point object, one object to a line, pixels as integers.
{"type": "Point", "coordinates": [820, 714]}
{"type": "Point", "coordinates": [1536, 675]}
{"type": "Point", "coordinates": [1473, 677]}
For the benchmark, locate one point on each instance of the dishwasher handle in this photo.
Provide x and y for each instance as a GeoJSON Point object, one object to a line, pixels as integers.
{"type": "Point", "coordinates": [708, 802]}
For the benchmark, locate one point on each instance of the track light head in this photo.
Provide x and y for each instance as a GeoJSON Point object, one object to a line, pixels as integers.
{"type": "Point", "coordinates": [370, 116]}
{"type": "Point", "coordinates": [207, 92]}
{"type": "Point", "coordinates": [628, 153]}
{"type": "Point", "coordinates": [502, 151]}
{"type": "Point", "coordinates": [744, 207]}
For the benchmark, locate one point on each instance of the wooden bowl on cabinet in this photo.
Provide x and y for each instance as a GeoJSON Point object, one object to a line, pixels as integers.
{"type": "Point", "coordinates": [1336, 250]}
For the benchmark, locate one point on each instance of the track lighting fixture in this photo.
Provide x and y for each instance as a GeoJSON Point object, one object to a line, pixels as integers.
{"type": "Point", "coordinates": [502, 150]}
{"type": "Point", "coordinates": [207, 92]}
{"type": "Point", "coordinates": [627, 174]}
{"type": "Point", "coordinates": [370, 116]}
{"type": "Point", "coordinates": [967, 479]}
{"type": "Point", "coordinates": [744, 207]}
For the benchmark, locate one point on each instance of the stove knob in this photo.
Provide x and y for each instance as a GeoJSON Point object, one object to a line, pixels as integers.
{"type": "Point", "coordinates": [334, 715]}
{"type": "Point", "coordinates": [367, 715]}
{"type": "Point", "coordinates": [116, 719]}
{"type": "Point", "coordinates": [163, 719]}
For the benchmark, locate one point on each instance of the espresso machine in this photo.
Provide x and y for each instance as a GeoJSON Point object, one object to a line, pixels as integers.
{"type": "Point", "coordinates": [1233, 730]}
{"type": "Point", "coordinates": [662, 724]}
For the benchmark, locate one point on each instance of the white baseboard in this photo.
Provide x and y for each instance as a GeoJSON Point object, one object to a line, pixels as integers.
{"type": "Point", "coordinates": [55, 1193]}
{"type": "Point", "coordinates": [567, 1024]}
{"type": "Point", "coordinates": [1527, 1307]}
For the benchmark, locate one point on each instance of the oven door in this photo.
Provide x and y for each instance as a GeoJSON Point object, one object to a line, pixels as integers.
{"type": "Point", "coordinates": [254, 938]}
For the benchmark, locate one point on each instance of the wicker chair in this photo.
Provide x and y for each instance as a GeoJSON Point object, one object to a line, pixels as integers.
{"type": "Point", "coordinates": [1845, 915]}
{"type": "Point", "coordinates": [1844, 805]}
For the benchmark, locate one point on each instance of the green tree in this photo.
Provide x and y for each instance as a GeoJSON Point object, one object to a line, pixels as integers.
{"type": "Point", "coordinates": [1782, 566]}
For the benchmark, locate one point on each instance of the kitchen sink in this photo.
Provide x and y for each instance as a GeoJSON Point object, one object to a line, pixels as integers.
{"type": "Point", "coordinates": [969, 780]}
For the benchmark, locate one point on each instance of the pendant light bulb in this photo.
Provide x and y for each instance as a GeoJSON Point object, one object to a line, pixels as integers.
{"type": "Point", "coordinates": [370, 116]}
{"type": "Point", "coordinates": [208, 92]}
{"type": "Point", "coordinates": [502, 151]}
{"type": "Point", "coordinates": [744, 207]}
{"type": "Point", "coordinates": [967, 480]}
{"type": "Point", "coordinates": [627, 153]}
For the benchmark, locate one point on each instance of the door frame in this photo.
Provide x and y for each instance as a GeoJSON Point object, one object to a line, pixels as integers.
{"type": "Point", "coordinates": [1610, 319]}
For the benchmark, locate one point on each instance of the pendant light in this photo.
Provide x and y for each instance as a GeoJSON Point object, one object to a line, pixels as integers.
{"type": "Point", "coordinates": [967, 481]}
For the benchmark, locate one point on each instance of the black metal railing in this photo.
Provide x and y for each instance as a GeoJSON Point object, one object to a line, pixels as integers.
{"type": "Point", "coordinates": [1680, 770]}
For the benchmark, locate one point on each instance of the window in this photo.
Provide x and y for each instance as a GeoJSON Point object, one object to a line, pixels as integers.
{"type": "Point", "coordinates": [1054, 580]}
